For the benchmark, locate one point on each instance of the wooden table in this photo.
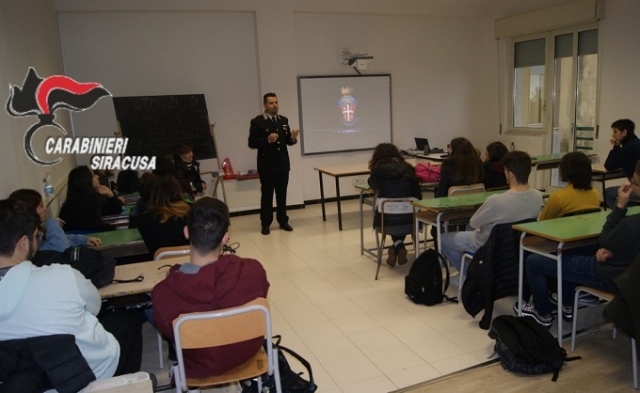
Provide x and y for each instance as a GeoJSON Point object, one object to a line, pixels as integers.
{"type": "Point", "coordinates": [338, 171]}
{"type": "Point", "coordinates": [121, 243]}
{"type": "Point", "coordinates": [153, 272]}
{"type": "Point", "coordinates": [438, 210]}
{"type": "Point", "coordinates": [550, 237]}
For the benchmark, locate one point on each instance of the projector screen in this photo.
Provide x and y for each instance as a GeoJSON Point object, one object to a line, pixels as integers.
{"type": "Point", "coordinates": [344, 113]}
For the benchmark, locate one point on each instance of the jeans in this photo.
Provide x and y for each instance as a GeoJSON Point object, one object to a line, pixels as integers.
{"type": "Point", "coordinates": [454, 244]}
{"type": "Point", "coordinates": [576, 270]}
{"type": "Point", "coordinates": [611, 195]}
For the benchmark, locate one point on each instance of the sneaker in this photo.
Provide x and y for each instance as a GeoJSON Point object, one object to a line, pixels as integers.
{"type": "Point", "coordinates": [529, 310]}
{"type": "Point", "coordinates": [567, 314]}
{"type": "Point", "coordinates": [391, 259]}
{"type": "Point", "coordinates": [402, 254]}
{"type": "Point", "coordinates": [584, 301]}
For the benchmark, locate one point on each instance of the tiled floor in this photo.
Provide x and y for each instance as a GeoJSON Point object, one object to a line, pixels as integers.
{"type": "Point", "coordinates": [360, 335]}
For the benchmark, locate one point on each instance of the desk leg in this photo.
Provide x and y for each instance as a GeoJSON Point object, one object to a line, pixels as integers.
{"type": "Point", "coordinates": [520, 275]}
{"type": "Point", "coordinates": [559, 275]}
{"type": "Point", "coordinates": [361, 222]}
{"type": "Point", "coordinates": [324, 214]}
{"type": "Point", "coordinates": [338, 200]}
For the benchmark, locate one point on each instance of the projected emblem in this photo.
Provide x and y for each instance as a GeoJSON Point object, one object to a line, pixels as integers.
{"type": "Point", "coordinates": [348, 106]}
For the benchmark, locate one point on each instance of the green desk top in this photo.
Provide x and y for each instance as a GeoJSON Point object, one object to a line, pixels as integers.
{"type": "Point", "coordinates": [119, 237]}
{"type": "Point", "coordinates": [455, 202]}
{"type": "Point", "coordinates": [572, 228]}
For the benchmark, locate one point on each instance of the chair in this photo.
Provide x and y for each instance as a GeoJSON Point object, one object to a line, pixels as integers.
{"type": "Point", "coordinates": [464, 190]}
{"type": "Point", "coordinates": [493, 272]}
{"type": "Point", "coordinates": [162, 253]}
{"type": "Point", "coordinates": [224, 327]}
{"type": "Point", "coordinates": [606, 296]}
{"type": "Point", "coordinates": [167, 252]}
{"type": "Point", "coordinates": [387, 208]}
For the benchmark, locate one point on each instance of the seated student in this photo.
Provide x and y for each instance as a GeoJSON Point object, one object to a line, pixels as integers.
{"type": "Point", "coordinates": [493, 170]}
{"type": "Point", "coordinates": [624, 154]}
{"type": "Point", "coordinates": [82, 210]}
{"type": "Point", "coordinates": [166, 165]}
{"type": "Point", "coordinates": [188, 168]}
{"type": "Point", "coordinates": [210, 281]}
{"type": "Point", "coordinates": [578, 195]}
{"type": "Point", "coordinates": [392, 177]}
{"type": "Point", "coordinates": [618, 244]}
{"type": "Point", "coordinates": [520, 202]}
{"type": "Point", "coordinates": [162, 225]}
{"type": "Point", "coordinates": [56, 299]}
{"type": "Point", "coordinates": [462, 167]}
{"type": "Point", "coordinates": [53, 237]}
{"type": "Point", "coordinates": [147, 181]}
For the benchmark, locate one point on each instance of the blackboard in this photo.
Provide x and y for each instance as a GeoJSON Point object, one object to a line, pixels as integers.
{"type": "Point", "coordinates": [157, 124]}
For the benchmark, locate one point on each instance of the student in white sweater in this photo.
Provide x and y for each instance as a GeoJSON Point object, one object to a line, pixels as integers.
{"type": "Point", "coordinates": [41, 301]}
{"type": "Point", "coordinates": [520, 202]}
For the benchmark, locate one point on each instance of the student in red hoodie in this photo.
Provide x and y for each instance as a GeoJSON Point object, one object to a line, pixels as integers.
{"type": "Point", "coordinates": [210, 281]}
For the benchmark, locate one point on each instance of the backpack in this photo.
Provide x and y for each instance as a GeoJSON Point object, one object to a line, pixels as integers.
{"type": "Point", "coordinates": [526, 347]}
{"type": "Point", "coordinates": [428, 172]}
{"type": "Point", "coordinates": [290, 381]}
{"type": "Point", "coordinates": [128, 181]}
{"type": "Point", "coordinates": [88, 261]}
{"type": "Point", "coordinates": [423, 284]}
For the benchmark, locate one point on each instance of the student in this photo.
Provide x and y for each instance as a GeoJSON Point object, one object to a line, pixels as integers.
{"type": "Point", "coordinates": [147, 181]}
{"type": "Point", "coordinates": [162, 225]}
{"type": "Point", "coordinates": [618, 244]}
{"type": "Point", "coordinates": [209, 281]}
{"type": "Point", "coordinates": [392, 177]}
{"type": "Point", "coordinates": [53, 237]}
{"type": "Point", "coordinates": [166, 165]}
{"type": "Point", "coordinates": [493, 170]}
{"type": "Point", "coordinates": [56, 299]}
{"type": "Point", "coordinates": [82, 210]}
{"type": "Point", "coordinates": [578, 195]}
{"type": "Point", "coordinates": [462, 167]}
{"type": "Point", "coordinates": [624, 154]}
{"type": "Point", "coordinates": [520, 202]}
{"type": "Point", "coordinates": [188, 168]}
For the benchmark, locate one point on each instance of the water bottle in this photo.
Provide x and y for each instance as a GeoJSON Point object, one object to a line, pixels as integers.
{"type": "Point", "coordinates": [48, 186]}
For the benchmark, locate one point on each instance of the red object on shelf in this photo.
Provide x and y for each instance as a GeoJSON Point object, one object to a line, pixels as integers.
{"type": "Point", "coordinates": [228, 169]}
{"type": "Point", "coordinates": [247, 176]}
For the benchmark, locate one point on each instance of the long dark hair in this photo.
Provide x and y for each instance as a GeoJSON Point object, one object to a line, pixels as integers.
{"type": "Point", "coordinates": [464, 163]}
{"type": "Point", "coordinates": [575, 168]}
{"type": "Point", "coordinates": [385, 153]}
{"type": "Point", "coordinates": [166, 199]}
{"type": "Point", "coordinates": [80, 189]}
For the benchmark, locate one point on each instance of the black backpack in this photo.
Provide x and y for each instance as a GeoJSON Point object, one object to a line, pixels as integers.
{"type": "Point", "coordinates": [526, 347]}
{"type": "Point", "coordinates": [91, 263]}
{"type": "Point", "coordinates": [128, 181]}
{"type": "Point", "coordinates": [423, 285]}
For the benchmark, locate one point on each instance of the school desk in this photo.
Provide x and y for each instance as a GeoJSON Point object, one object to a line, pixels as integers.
{"type": "Point", "coordinates": [551, 237]}
{"type": "Point", "coordinates": [121, 243]}
{"type": "Point", "coordinates": [600, 174]}
{"type": "Point", "coordinates": [548, 161]}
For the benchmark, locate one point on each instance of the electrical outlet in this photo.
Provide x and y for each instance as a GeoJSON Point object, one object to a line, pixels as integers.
{"type": "Point", "coordinates": [358, 180]}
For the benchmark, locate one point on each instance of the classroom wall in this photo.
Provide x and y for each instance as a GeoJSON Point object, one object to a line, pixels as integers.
{"type": "Point", "coordinates": [28, 37]}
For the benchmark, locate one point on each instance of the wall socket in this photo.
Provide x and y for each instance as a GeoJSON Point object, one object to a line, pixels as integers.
{"type": "Point", "coordinates": [359, 180]}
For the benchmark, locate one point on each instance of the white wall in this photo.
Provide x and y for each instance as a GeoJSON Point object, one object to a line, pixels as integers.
{"type": "Point", "coordinates": [28, 38]}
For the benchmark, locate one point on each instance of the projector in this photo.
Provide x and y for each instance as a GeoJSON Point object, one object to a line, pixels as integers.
{"type": "Point", "coordinates": [360, 61]}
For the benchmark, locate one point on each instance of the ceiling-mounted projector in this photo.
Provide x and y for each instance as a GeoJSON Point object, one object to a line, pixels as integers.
{"type": "Point", "coordinates": [360, 61]}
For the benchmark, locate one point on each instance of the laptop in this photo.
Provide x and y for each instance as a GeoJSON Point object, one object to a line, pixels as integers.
{"type": "Point", "coordinates": [422, 144]}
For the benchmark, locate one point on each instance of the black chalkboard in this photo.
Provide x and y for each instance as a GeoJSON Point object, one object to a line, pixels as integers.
{"type": "Point", "coordinates": [156, 124]}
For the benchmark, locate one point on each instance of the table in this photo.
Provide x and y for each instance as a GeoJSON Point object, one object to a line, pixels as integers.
{"type": "Point", "coordinates": [121, 243]}
{"type": "Point", "coordinates": [338, 171]}
{"type": "Point", "coordinates": [438, 210]}
{"type": "Point", "coordinates": [600, 174]}
{"type": "Point", "coordinates": [152, 271]}
{"type": "Point", "coordinates": [548, 161]}
{"type": "Point", "coordinates": [551, 237]}
{"type": "Point", "coordinates": [121, 220]}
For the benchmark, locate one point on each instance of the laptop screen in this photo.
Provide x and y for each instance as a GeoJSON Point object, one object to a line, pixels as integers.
{"type": "Point", "coordinates": [423, 145]}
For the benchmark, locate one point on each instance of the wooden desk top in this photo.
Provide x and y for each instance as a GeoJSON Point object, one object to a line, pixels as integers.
{"type": "Point", "coordinates": [455, 202]}
{"type": "Point", "coordinates": [152, 272]}
{"type": "Point", "coordinates": [572, 228]}
{"type": "Point", "coordinates": [118, 238]}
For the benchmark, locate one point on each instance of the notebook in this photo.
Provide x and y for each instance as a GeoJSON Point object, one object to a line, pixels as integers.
{"type": "Point", "coordinates": [422, 144]}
